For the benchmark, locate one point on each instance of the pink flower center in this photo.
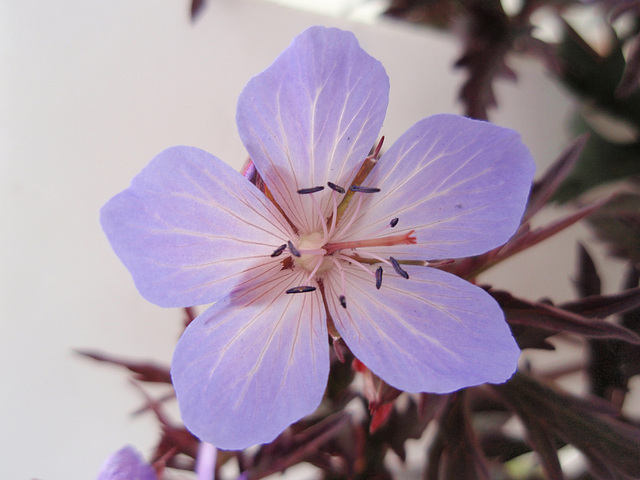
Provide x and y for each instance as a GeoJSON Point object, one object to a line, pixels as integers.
{"type": "Point", "coordinates": [318, 253]}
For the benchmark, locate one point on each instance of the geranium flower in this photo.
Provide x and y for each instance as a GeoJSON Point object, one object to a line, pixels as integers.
{"type": "Point", "coordinates": [338, 244]}
{"type": "Point", "coordinates": [126, 464]}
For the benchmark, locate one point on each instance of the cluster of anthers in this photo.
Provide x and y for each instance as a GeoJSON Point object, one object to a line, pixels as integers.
{"type": "Point", "coordinates": [320, 251]}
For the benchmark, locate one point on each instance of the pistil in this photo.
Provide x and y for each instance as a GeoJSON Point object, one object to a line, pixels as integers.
{"type": "Point", "coordinates": [403, 239]}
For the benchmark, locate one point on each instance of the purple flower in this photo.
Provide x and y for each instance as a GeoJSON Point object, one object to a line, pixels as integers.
{"type": "Point", "coordinates": [126, 464]}
{"type": "Point", "coordinates": [288, 267]}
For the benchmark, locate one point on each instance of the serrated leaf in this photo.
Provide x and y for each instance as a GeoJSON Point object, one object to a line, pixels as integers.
{"type": "Point", "coordinates": [456, 452]}
{"type": "Point", "coordinates": [588, 281]}
{"type": "Point", "coordinates": [288, 450]}
{"type": "Point", "coordinates": [602, 306]}
{"type": "Point", "coordinates": [596, 77]}
{"type": "Point", "coordinates": [144, 371]}
{"type": "Point", "coordinates": [618, 224]}
{"type": "Point", "coordinates": [524, 238]}
{"type": "Point", "coordinates": [556, 319]}
{"type": "Point", "coordinates": [601, 162]}
{"type": "Point", "coordinates": [576, 421]}
{"type": "Point", "coordinates": [544, 188]}
{"type": "Point", "coordinates": [540, 440]}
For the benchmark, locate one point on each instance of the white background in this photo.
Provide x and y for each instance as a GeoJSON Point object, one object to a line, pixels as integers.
{"type": "Point", "coordinates": [89, 92]}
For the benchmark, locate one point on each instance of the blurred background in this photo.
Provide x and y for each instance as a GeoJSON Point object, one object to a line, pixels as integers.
{"type": "Point", "coordinates": [89, 93]}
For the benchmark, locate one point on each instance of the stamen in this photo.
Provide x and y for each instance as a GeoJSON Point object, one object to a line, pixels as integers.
{"type": "Point", "coordinates": [375, 257]}
{"type": "Point", "coordinates": [335, 187]}
{"type": "Point", "coordinates": [315, 269]}
{"type": "Point", "coordinates": [334, 216]}
{"type": "Point", "coordinates": [304, 191]}
{"type": "Point", "coordinates": [345, 228]}
{"type": "Point", "coordinates": [361, 189]}
{"type": "Point", "coordinates": [398, 268]}
{"type": "Point", "coordinates": [365, 169]}
{"type": "Point", "coordinates": [294, 251]}
{"type": "Point", "coordinates": [316, 207]}
{"type": "Point", "coordinates": [343, 301]}
{"type": "Point", "coordinates": [353, 262]}
{"type": "Point", "coordinates": [301, 289]}
{"type": "Point", "coordinates": [278, 251]}
{"type": "Point", "coordinates": [341, 270]}
{"type": "Point", "coordinates": [379, 278]}
{"type": "Point", "coordinates": [391, 224]}
{"type": "Point", "coordinates": [439, 263]}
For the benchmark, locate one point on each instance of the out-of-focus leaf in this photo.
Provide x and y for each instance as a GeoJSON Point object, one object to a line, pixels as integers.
{"type": "Point", "coordinates": [434, 13]}
{"type": "Point", "coordinates": [144, 371]}
{"type": "Point", "coordinates": [196, 8]}
{"type": "Point", "coordinates": [288, 450]}
{"type": "Point", "coordinates": [524, 238]}
{"type": "Point", "coordinates": [554, 319]}
{"type": "Point", "coordinates": [617, 8]}
{"type": "Point", "coordinates": [588, 282]}
{"type": "Point", "coordinates": [544, 188]}
{"type": "Point", "coordinates": [631, 319]}
{"type": "Point", "coordinates": [540, 439]}
{"type": "Point", "coordinates": [595, 77]}
{"type": "Point", "coordinates": [489, 37]}
{"type": "Point", "coordinates": [601, 162]}
{"type": "Point", "coordinates": [631, 75]}
{"type": "Point", "coordinates": [618, 224]}
{"type": "Point", "coordinates": [407, 424]}
{"type": "Point", "coordinates": [601, 437]}
{"type": "Point", "coordinates": [456, 452]}
{"type": "Point", "coordinates": [601, 306]}
{"type": "Point", "coordinates": [612, 362]}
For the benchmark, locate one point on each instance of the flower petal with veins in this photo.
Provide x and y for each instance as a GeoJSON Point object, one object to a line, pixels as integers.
{"type": "Point", "coordinates": [455, 182]}
{"type": "Point", "coordinates": [237, 365]}
{"type": "Point", "coordinates": [426, 333]}
{"type": "Point", "coordinates": [312, 116]}
{"type": "Point", "coordinates": [190, 228]}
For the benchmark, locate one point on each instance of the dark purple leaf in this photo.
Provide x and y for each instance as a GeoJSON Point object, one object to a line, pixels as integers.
{"type": "Point", "coordinates": [601, 306]}
{"type": "Point", "coordinates": [196, 8]}
{"type": "Point", "coordinates": [489, 38]}
{"type": "Point", "coordinates": [434, 13]}
{"type": "Point", "coordinates": [576, 421]}
{"type": "Point", "coordinates": [456, 452]}
{"type": "Point", "coordinates": [144, 371]}
{"type": "Point", "coordinates": [588, 282]}
{"type": "Point", "coordinates": [544, 188]}
{"type": "Point", "coordinates": [556, 319]}
{"type": "Point", "coordinates": [524, 238]}
{"type": "Point", "coordinates": [528, 238]}
{"type": "Point", "coordinates": [542, 442]}
{"type": "Point", "coordinates": [618, 224]}
{"type": "Point", "coordinates": [631, 75]}
{"type": "Point", "coordinates": [288, 450]}
{"type": "Point", "coordinates": [409, 423]}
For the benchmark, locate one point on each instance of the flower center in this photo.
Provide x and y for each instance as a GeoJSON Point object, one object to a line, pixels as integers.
{"type": "Point", "coordinates": [312, 255]}
{"type": "Point", "coordinates": [318, 252]}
